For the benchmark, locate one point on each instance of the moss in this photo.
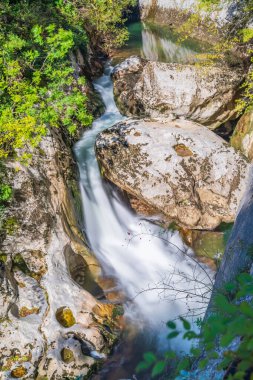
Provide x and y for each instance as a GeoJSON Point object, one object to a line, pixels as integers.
{"type": "Point", "coordinates": [93, 369]}
{"type": "Point", "coordinates": [10, 225]}
{"type": "Point", "coordinates": [65, 317]}
{"type": "Point", "coordinates": [19, 263]}
{"type": "Point", "coordinates": [182, 150]}
{"type": "Point", "coordinates": [19, 372]}
{"type": "Point", "coordinates": [25, 311]}
{"type": "Point", "coordinates": [67, 355]}
{"type": "Point", "coordinates": [3, 257]}
{"type": "Point", "coordinates": [118, 311]}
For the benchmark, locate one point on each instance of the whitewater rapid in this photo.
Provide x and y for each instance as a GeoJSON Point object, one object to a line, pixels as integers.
{"type": "Point", "coordinates": [138, 253]}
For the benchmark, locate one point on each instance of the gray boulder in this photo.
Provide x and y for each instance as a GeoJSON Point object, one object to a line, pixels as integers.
{"type": "Point", "coordinates": [178, 170]}
{"type": "Point", "coordinates": [205, 95]}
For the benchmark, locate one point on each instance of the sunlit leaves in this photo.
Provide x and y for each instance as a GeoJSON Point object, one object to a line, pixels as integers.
{"type": "Point", "coordinates": [38, 88]}
{"type": "Point", "coordinates": [225, 339]}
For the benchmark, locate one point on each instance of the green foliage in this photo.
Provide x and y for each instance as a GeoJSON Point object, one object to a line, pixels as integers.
{"type": "Point", "coordinates": [5, 192]}
{"type": "Point", "coordinates": [106, 17]}
{"type": "Point", "coordinates": [39, 89]}
{"type": "Point", "coordinates": [231, 321]}
{"type": "Point", "coordinates": [37, 85]}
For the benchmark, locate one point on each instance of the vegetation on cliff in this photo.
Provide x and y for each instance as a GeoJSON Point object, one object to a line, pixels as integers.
{"type": "Point", "coordinates": [231, 42]}
{"type": "Point", "coordinates": [39, 88]}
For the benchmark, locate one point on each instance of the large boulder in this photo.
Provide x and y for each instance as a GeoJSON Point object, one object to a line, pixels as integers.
{"type": "Point", "coordinates": [242, 138]}
{"type": "Point", "coordinates": [178, 169]}
{"type": "Point", "coordinates": [202, 94]}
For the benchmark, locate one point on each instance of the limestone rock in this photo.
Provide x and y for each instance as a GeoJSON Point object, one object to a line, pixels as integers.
{"type": "Point", "coordinates": [179, 168]}
{"type": "Point", "coordinates": [202, 94]}
{"type": "Point", "coordinates": [242, 138]}
{"type": "Point", "coordinates": [41, 252]}
{"type": "Point", "coordinates": [65, 317]}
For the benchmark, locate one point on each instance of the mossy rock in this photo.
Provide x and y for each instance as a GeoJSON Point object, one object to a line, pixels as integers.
{"type": "Point", "coordinates": [209, 243]}
{"type": "Point", "coordinates": [3, 257]}
{"type": "Point", "coordinates": [242, 138]}
{"type": "Point", "coordinates": [19, 372]}
{"type": "Point", "coordinates": [65, 316]}
{"type": "Point", "coordinates": [67, 355]}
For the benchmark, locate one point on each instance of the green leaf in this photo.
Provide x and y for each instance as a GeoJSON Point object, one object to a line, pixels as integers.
{"type": "Point", "coordinates": [184, 364]}
{"type": "Point", "coordinates": [143, 366]}
{"type": "Point", "coordinates": [246, 309]}
{"type": "Point", "coordinates": [239, 375]}
{"type": "Point", "coordinates": [203, 363]}
{"type": "Point", "coordinates": [170, 355]}
{"type": "Point", "coordinates": [171, 325]}
{"type": "Point", "coordinates": [186, 324]}
{"type": "Point", "coordinates": [149, 357]}
{"type": "Point", "coordinates": [173, 334]}
{"type": "Point", "coordinates": [224, 305]}
{"type": "Point", "coordinates": [189, 335]}
{"type": "Point", "coordinates": [226, 339]}
{"type": "Point", "coordinates": [158, 368]}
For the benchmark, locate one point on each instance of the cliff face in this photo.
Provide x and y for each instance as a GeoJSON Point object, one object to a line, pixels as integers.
{"type": "Point", "coordinates": [45, 265]}
{"type": "Point", "coordinates": [174, 12]}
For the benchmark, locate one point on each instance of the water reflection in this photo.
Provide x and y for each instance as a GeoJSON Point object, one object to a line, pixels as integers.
{"type": "Point", "coordinates": [157, 44]}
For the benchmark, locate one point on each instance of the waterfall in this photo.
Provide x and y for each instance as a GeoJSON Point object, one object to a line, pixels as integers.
{"type": "Point", "coordinates": [139, 253]}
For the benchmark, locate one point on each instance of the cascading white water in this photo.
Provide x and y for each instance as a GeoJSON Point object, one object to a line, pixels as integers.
{"type": "Point", "coordinates": [140, 254]}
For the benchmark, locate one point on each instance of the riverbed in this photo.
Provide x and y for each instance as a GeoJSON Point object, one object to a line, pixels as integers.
{"type": "Point", "coordinates": [151, 266]}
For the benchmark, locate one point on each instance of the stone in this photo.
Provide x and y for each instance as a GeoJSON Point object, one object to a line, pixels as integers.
{"type": "Point", "coordinates": [104, 310]}
{"type": "Point", "coordinates": [205, 95]}
{"type": "Point", "coordinates": [197, 191]}
{"type": "Point", "coordinates": [19, 372]}
{"type": "Point", "coordinates": [242, 138]}
{"type": "Point", "coordinates": [65, 317]}
{"type": "Point", "coordinates": [43, 225]}
{"type": "Point", "coordinates": [67, 355]}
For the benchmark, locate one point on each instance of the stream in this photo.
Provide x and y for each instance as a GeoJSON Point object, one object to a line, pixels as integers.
{"type": "Point", "coordinates": [155, 270]}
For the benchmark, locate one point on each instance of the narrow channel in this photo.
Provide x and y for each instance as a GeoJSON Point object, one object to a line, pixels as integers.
{"type": "Point", "coordinates": [137, 252]}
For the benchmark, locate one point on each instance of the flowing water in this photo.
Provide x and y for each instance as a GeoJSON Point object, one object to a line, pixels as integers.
{"type": "Point", "coordinates": [159, 275]}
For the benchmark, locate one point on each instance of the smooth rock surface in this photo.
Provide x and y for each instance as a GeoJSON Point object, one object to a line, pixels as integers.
{"type": "Point", "coordinates": [180, 169]}
{"type": "Point", "coordinates": [202, 94]}
{"type": "Point", "coordinates": [40, 247]}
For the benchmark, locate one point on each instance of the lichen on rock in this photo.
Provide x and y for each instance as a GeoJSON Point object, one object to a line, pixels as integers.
{"type": "Point", "coordinates": [242, 138]}
{"type": "Point", "coordinates": [198, 185]}
{"type": "Point", "coordinates": [65, 316]}
{"type": "Point", "coordinates": [19, 372]}
{"type": "Point", "coordinates": [205, 95]}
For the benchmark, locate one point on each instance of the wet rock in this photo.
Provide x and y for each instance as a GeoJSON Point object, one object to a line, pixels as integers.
{"type": "Point", "coordinates": [202, 94]}
{"type": "Point", "coordinates": [19, 372]}
{"type": "Point", "coordinates": [242, 138]}
{"type": "Point", "coordinates": [88, 349]}
{"type": "Point", "coordinates": [65, 317]}
{"type": "Point", "coordinates": [197, 191]}
{"type": "Point", "coordinates": [67, 355]}
{"type": "Point", "coordinates": [104, 310]}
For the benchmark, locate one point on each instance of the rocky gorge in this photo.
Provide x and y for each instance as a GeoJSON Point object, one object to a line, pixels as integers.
{"type": "Point", "coordinates": [68, 255]}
